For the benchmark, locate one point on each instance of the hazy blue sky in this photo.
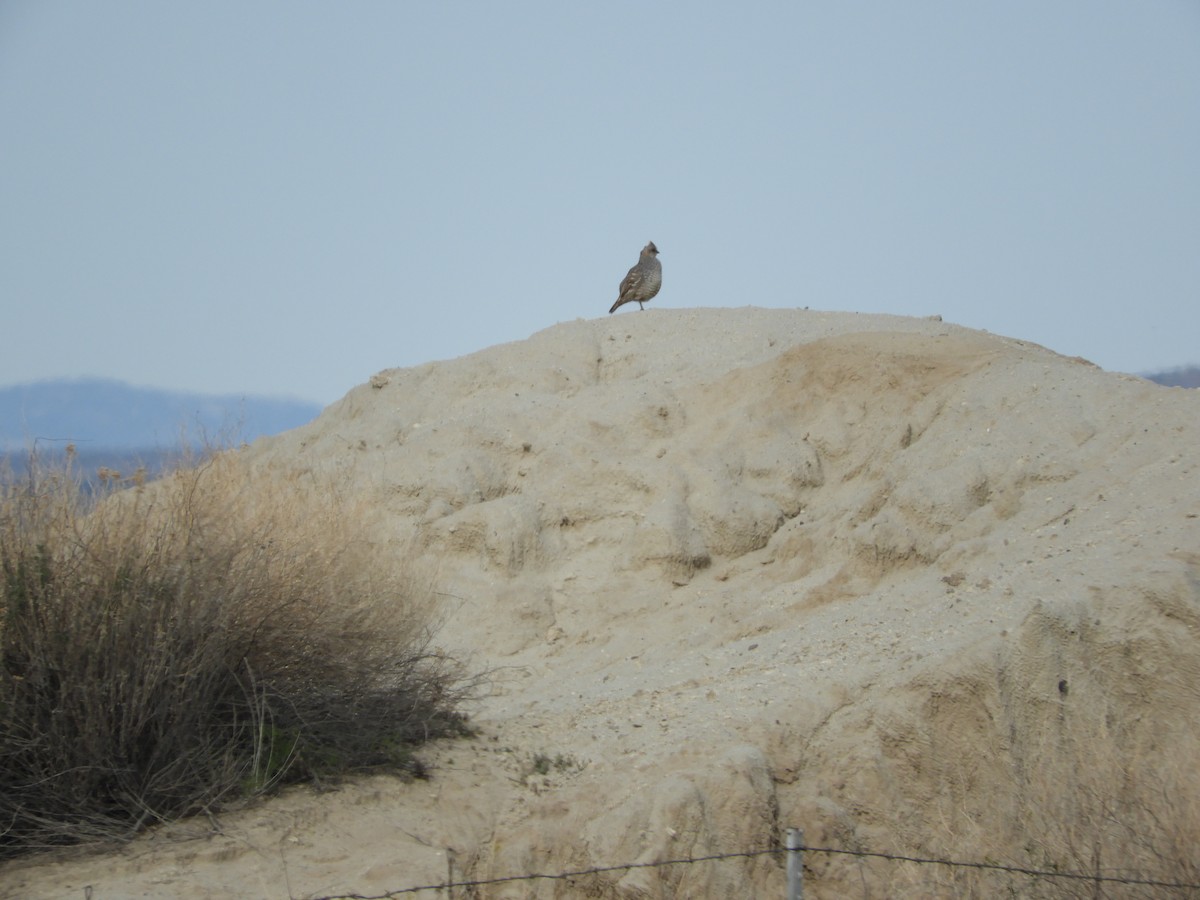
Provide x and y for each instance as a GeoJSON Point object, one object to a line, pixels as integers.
{"type": "Point", "coordinates": [285, 197]}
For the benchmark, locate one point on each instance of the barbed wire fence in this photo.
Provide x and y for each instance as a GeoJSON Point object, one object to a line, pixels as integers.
{"type": "Point", "coordinates": [793, 849]}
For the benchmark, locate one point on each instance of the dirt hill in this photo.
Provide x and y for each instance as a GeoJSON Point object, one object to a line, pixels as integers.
{"type": "Point", "coordinates": [911, 587]}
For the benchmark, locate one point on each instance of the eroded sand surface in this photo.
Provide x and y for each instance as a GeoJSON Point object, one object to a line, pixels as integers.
{"type": "Point", "coordinates": [734, 570]}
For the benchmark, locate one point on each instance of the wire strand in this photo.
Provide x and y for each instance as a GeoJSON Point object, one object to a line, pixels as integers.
{"type": "Point", "coordinates": [999, 867]}
{"type": "Point", "coordinates": [774, 851]}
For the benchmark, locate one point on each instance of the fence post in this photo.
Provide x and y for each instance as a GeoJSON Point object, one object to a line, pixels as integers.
{"type": "Point", "coordinates": [795, 864]}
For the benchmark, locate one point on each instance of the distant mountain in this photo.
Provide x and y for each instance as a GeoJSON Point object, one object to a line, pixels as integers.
{"type": "Point", "coordinates": [1184, 376]}
{"type": "Point", "coordinates": [110, 422]}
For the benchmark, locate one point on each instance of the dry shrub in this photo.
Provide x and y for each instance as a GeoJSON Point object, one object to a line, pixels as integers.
{"type": "Point", "coordinates": [170, 646]}
{"type": "Point", "coordinates": [1099, 823]}
{"type": "Point", "coordinates": [1105, 803]}
{"type": "Point", "coordinates": [1121, 803]}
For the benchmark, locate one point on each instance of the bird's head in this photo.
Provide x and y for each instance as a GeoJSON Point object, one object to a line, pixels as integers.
{"type": "Point", "coordinates": [650, 250]}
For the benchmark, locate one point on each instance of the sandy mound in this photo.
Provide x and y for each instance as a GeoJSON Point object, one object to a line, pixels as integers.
{"type": "Point", "coordinates": [899, 583]}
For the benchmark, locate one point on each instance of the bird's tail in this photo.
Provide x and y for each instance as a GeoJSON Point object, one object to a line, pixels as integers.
{"type": "Point", "coordinates": [615, 305]}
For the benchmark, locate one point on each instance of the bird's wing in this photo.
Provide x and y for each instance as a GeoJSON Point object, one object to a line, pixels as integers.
{"type": "Point", "coordinates": [631, 280]}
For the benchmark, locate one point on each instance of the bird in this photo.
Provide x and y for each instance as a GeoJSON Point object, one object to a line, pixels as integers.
{"type": "Point", "coordinates": [642, 282]}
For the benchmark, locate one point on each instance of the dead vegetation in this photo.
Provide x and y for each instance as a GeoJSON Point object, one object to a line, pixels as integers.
{"type": "Point", "coordinates": [169, 647]}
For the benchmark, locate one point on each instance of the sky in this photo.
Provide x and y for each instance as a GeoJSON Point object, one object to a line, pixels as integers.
{"type": "Point", "coordinates": [284, 198]}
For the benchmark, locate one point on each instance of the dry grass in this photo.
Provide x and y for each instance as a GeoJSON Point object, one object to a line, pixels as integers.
{"type": "Point", "coordinates": [1117, 805]}
{"type": "Point", "coordinates": [167, 647]}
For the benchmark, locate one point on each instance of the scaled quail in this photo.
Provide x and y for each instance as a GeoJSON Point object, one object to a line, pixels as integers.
{"type": "Point", "coordinates": [643, 280]}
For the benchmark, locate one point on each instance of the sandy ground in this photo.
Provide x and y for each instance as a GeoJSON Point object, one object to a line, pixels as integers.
{"type": "Point", "coordinates": [734, 570]}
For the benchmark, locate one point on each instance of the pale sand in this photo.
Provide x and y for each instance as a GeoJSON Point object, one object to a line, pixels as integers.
{"type": "Point", "coordinates": [740, 569]}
